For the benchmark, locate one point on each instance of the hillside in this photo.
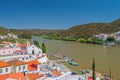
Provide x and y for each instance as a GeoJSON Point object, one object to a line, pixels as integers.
{"type": "Point", "coordinates": [3, 30]}
{"type": "Point", "coordinates": [94, 28]}
{"type": "Point", "coordinates": [76, 31]}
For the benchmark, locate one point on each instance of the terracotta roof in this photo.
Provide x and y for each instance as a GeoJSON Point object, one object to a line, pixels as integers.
{"type": "Point", "coordinates": [5, 42]}
{"type": "Point", "coordinates": [16, 62]}
{"type": "Point", "coordinates": [13, 76]}
{"type": "Point", "coordinates": [4, 64]}
{"type": "Point", "coordinates": [56, 73]}
{"type": "Point", "coordinates": [4, 76]}
{"type": "Point", "coordinates": [90, 78]}
{"type": "Point", "coordinates": [22, 45]}
{"type": "Point", "coordinates": [34, 76]}
{"type": "Point", "coordinates": [21, 50]}
{"type": "Point", "coordinates": [32, 65]}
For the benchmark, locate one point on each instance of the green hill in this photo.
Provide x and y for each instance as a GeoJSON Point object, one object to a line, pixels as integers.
{"type": "Point", "coordinates": [93, 29]}
{"type": "Point", "coordinates": [3, 30]}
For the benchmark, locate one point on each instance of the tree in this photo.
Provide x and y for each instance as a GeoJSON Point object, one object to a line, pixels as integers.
{"type": "Point", "coordinates": [93, 68]}
{"type": "Point", "coordinates": [110, 74]}
{"type": "Point", "coordinates": [25, 35]}
{"type": "Point", "coordinates": [43, 48]}
{"type": "Point", "coordinates": [36, 43]}
{"type": "Point", "coordinates": [110, 39]}
{"type": "Point", "coordinates": [13, 40]}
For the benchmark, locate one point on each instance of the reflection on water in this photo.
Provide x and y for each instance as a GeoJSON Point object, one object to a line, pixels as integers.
{"type": "Point", "coordinates": [107, 57]}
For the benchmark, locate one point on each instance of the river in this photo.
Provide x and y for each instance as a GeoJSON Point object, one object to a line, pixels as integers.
{"type": "Point", "coordinates": [107, 57]}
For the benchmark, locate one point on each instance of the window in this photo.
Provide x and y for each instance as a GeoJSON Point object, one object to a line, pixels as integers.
{"type": "Point", "coordinates": [26, 57]}
{"type": "Point", "coordinates": [6, 69]}
{"type": "Point", "coordinates": [19, 68]}
{"type": "Point", "coordinates": [22, 58]}
{"type": "Point", "coordinates": [0, 70]}
{"type": "Point", "coordinates": [23, 67]}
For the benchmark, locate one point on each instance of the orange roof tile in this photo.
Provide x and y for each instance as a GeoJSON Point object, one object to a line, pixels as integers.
{"type": "Point", "coordinates": [5, 42]}
{"type": "Point", "coordinates": [16, 62]}
{"type": "Point", "coordinates": [20, 50]}
{"type": "Point", "coordinates": [13, 75]}
{"type": "Point", "coordinates": [36, 62]}
{"type": "Point", "coordinates": [4, 64]}
{"type": "Point", "coordinates": [34, 76]}
{"type": "Point", "coordinates": [56, 73]}
{"type": "Point", "coordinates": [4, 76]}
{"type": "Point", "coordinates": [22, 45]}
{"type": "Point", "coordinates": [32, 65]}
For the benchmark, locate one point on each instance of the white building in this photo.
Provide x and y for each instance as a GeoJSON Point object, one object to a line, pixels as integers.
{"type": "Point", "coordinates": [101, 36]}
{"type": "Point", "coordinates": [32, 49]}
{"type": "Point", "coordinates": [117, 36]}
{"type": "Point", "coordinates": [5, 68]}
{"type": "Point", "coordinates": [18, 65]}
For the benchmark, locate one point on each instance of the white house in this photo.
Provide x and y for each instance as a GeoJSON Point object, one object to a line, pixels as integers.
{"type": "Point", "coordinates": [101, 36]}
{"type": "Point", "coordinates": [18, 65]}
{"type": "Point", "coordinates": [5, 68]}
{"type": "Point", "coordinates": [117, 36]}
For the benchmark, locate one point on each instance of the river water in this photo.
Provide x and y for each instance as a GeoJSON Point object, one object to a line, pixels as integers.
{"type": "Point", "coordinates": [107, 57]}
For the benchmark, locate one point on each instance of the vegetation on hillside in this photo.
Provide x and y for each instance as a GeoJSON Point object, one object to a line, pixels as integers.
{"type": "Point", "coordinates": [3, 30]}
{"type": "Point", "coordinates": [78, 31]}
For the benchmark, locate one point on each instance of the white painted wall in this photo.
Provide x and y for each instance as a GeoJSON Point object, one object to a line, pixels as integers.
{"type": "Point", "coordinates": [21, 70]}
{"type": "Point", "coordinates": [4, 70]}
{"type": "Point", "coordinates": [30, 48]}
{"type": "Point", "coordinates": [43, 60]}
{"type": "Point", "coordinates": [33, 47]}
{"type": "Point", "coordinates": [5, 51]}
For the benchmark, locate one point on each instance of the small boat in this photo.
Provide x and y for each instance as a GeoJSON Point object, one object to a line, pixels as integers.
{"type": "Point", "coordinates": [73, 63]}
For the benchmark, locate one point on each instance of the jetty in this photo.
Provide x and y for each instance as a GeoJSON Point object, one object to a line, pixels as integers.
{"type": "Point", "coordinates": [66, 59]}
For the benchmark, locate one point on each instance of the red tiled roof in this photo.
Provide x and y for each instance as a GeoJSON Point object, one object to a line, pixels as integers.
{"type": "Point", "coordinates": [4, 76]}
{"type": "Point", "coordinates": [56, 73]}
{"type": "Point", "coordinates": [13, 76]}
{"type": "Point", "coordinates": [32, 65]}
{"type": "Point", "coordinates": [4, 64]}
{"type": "Point", "coordinates": [16, 62]}
{"type": "Point", "coordinates": [90, 78]}
{"type": "Point", "coordinates": [20, 50]}
{"type": "Point", "coordinates": [22, 45]}
{"type": "Point", "coordinates": [5, 43]}
{"type": "Point", "coordinates": [34, 76]}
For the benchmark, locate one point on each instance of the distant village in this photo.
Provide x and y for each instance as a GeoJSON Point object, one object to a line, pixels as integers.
{"type": "Point", "coordinates": [109, 39]}
{"type": "Point", "coordinates": [26, 61]}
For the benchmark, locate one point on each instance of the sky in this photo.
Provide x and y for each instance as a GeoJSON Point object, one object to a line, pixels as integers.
{"type": "Point", "coordinates": [56, 14]}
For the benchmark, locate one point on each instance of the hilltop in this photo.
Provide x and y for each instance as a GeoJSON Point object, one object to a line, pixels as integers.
{"type": "Point", "coordinates": [94, 28]}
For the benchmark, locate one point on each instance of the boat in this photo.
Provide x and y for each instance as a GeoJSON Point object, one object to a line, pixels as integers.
{"type": "Point", "coordinates": [73, 63]}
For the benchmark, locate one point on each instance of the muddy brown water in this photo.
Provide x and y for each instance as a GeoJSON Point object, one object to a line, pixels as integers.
{"type": "Point", "coordinates": [107, 57]}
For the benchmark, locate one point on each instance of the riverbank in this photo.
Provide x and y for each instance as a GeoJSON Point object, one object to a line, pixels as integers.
{"type": "Point", "coordinates": [69, 38]}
